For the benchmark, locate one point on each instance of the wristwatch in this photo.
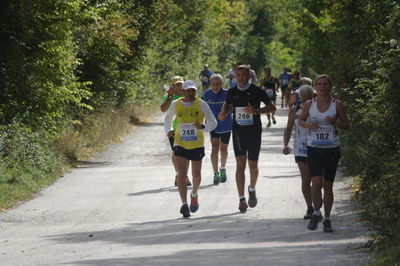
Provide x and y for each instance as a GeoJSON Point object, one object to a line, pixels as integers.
{"type": "Point", "coordinates": [169, 97]}
{"type": "Point", "coordinates": [257, 110]}
{"type": "Point", "coordinates": [203, 126]}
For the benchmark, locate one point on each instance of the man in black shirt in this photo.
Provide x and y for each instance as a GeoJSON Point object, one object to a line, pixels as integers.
{"type": "Point", "coordinates": [244, 101]}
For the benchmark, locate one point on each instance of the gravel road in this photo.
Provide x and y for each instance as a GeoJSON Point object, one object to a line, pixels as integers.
{"type": "Point", "coordinates": [121, 208]}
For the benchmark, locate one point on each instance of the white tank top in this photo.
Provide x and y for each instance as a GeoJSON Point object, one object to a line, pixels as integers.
{"type": "Point", "coordinates": [300, 137]}
{"type": "Point", "coordinates": [325, 136]}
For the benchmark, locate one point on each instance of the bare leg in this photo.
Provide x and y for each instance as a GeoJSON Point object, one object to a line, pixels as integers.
{"type": "Point", "coordinates": [214, 153]}
{"type": "Point", "coordinates": [196, 172]}
{"type": "Point", "coordinates": [253, 166]}
{"type": "Point", "coordinates": [305, 182]}
{"type": "Point", "coordinates": [240, 175]}
{"type": "Point", "coordinates": [328, 197]}
{"type": "Point", "coordinates": [224, 153]}
{"type": "Point", "coordinates": [174, 163]}
{"type": "Point", "coordinates": [316, 194]}
{"type": "Point", "coordinates": [182, 173]}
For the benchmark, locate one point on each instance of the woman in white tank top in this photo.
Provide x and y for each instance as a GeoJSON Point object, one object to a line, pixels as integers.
{"type": "Point", "coordinates": [300, 145]}
{"type": "Point", "coordinates": [323, 115]}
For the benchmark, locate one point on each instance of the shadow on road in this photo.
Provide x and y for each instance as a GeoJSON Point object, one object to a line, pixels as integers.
{"type": "Point", "coordinates": [258, 239]}
{"type": "Point", "coordinates": [165, 189]}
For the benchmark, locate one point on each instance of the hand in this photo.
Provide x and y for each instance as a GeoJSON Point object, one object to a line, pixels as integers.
{"type": "Point", "coordinates": [249, 109]}
{"type": "Point", "coordinates": [198, 125]}
{"type": "Point", "coordinates": [286, 150]}
{"type": "Point", "coordinates": [330, 120]}
{"type": "Point", "coordinates": [222, 116]}
{"type": "Point", "coordinates": [314, 126]}
{"type": "Point", "coordinates": [170, 91]}
{"type": "Point", "coordinates": [171, 133]}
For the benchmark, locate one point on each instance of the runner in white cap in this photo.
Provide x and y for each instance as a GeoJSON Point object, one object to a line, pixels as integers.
{"type": "Point", "coordinates": [190, 113]}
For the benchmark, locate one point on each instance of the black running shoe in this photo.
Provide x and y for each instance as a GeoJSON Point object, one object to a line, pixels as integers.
{"type": "Point", "coordinates": [309, 213]}
{"type": "Point", "coordinates": [185, 211]}
{"type": "Point", "coordinates": [252, 198]}
{"type": "Point", "coordinates": [243, 205]}
{"type": "Point", "coordinates": [313, 224]}
{"type": "Point", "coordinates": [327, 226]}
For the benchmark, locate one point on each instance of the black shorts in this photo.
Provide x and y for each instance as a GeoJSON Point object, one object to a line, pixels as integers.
{"type": "Point", "coordinates": [283, 88]}
{"type": "Point", "coordinates": [247, 141]}
{"type": "Point", "coordinates": [323, 162]}
{"type": "Point", "coordinates": [224, 137]}
{"type": "Point", "coordinates": [300, 159]}
{"type": "Point", "coordinates": [171, 142]}
{"type": "Point", "coordinates": [192, 155]}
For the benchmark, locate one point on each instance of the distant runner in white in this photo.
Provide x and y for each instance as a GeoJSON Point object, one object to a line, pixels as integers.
{"type": "Point", "coordinates": [300, 145]}
{"type": "Point", "coordinates": [190, 112]}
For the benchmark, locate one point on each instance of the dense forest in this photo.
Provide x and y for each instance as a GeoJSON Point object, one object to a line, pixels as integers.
{"type": "Point", "coordinates": [69, 69]}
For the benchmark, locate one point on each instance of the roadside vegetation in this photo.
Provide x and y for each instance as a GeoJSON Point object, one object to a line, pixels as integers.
{"type": "Point", "coordinates": [77, 74]}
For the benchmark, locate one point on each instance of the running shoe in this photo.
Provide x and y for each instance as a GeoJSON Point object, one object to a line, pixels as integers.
{"type": "Point", "coordinates": [327, 226]}
{"type": "Point", "coordinates": [313, 224]}
{"type": "Point", "coordinates": [309, 213]}
{"type": "Point", "coordinates": [269, 124]}
{"type": "Point", "coordinates": [252, 198]}
{"type": "Point", "coordinates": [194, 203]}
{"type": "Point", "coordinates": [281, 105]}
{"type": "Point", "coordinates": [243, 205]}
{"type": "Point", "coordinates": [273, 120]}
{"type": "Point", "coordinates": [222, 175]}
{"type": "Point", "coordinates": [188, 184]}
{"type": "Point", "coordinates": [217, 178]}
{"type": "Point", "coordinates": [185, 211]}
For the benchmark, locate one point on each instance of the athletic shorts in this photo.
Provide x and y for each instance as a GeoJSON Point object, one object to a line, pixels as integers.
{"type": "Point", "coordinates": [224, 137]}
{"type": "Point", "coordinates": [323, 162]}
{"type": "Point", "coordinates": [300, 159]}
{"type": "Point", "coordinates": [247, 141]}
{"type": "Point", "coordinates": [192, 155]}
{"type": "Point", "coordinates": [171, 142]}
{"type": "Point", "coordinates": [283, 88]}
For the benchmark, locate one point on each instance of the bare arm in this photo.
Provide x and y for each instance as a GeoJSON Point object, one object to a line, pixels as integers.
{"type": "Point", "coordinates": [225, 111]}
{"type": "Point", "coordinates": [165, 105]}
{"type": "Point", "coordinates": [343, 122]}
{"type": "Point", "coordinates": [303, 117]}
{"type": "Point", "coordinates": [288, 130]}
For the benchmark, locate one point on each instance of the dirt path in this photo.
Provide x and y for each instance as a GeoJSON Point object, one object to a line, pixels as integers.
{"type": "Point", "coordinates": [121, 208]}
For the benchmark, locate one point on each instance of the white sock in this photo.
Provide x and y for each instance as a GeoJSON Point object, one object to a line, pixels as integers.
{"type": "Point", "coordinates": [327, 218]}
{"type": "Point", "coordinates": [242, 197]}
{"type": "Point", "coordinates": [251, 189]}
{"type": "Point", "coordinates": [222, 168]}
{"type": "Point", "coordinates": [193, 195]}
{"type": "Point", "coordinates": [318, 213]}
{"type": "Point", "coordinates": [183, 203]}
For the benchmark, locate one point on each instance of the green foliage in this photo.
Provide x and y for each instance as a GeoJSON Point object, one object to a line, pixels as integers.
{"type": "Point", "coordinates": [350, 40]}
{"type": "Point", "coordinates": [26, 162]}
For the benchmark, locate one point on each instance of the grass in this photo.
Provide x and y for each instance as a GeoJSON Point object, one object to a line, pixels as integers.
{"type": "Point", "coordinates": [29, 161]}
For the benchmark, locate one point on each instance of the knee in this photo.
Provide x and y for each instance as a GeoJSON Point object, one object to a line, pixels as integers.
{"type": "Point", "coordinates": [317, 182]}
{"type": "Point", "coordinates": [253, 166]}
{"type": "Point", "coordinates": [224, 148]}
{"type": "Point", "coordinates": [328, 187]}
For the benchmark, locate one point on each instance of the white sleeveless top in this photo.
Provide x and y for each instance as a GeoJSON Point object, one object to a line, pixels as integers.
{"type": "Point", "coordinates": [325, 136]}
{"type": "Point", "coordinates": [300, 137]}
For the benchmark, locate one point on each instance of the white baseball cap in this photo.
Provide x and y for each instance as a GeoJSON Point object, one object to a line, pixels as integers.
{"type": "Point", "coordinates": [188, 84]}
